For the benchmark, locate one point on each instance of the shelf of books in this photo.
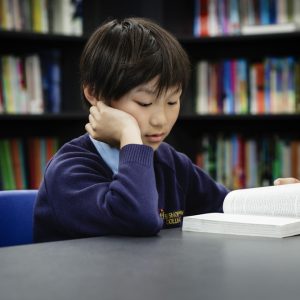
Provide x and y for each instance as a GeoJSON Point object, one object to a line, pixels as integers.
{"type": "Point", "coordinates": [40, 105]}
{"type": "Point", "coordinates": [239, 117]}
{"type": "Point", "coordinates": [23, 161]}
{"type": "Point", "coordinates": [213, 17]}
{"type": "Point", "coordinates": [238, 86]}
{"type": "Point", "coordinates": [241, 161]}
{"type": "Point", "coordinates": [246, 113]}
{"type": "Point", "coordinates": [55, 16]}
{"type": "Point", "coordinates": [25, 151]}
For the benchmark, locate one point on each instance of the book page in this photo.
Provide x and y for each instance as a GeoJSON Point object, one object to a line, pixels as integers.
{"type": "Point", "coordinates": [281, 200]}
{"type": "Point", "coordinates": [245, 219]}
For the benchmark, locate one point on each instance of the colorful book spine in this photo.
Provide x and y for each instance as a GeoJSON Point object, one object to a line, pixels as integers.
{"type": "Point", "coordinates": [30, 84]}
{"type": "Point", "coordinates": [43, 16]}
{"type": "Point", "coordinates": [241, 162]}
{"type": "Point", "coordinates": [270, 85]}
{"type": "Point", "coordinates": [223, 17]}
{"type": "Point", "coordinates": [23, 162]}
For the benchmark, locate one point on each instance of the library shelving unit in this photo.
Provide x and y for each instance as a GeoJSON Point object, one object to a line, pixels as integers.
{"type": "Point", "coordinates": [70, 121]}
{"type": "Point", "coordinates": [72, 118]}
{"type": "Point", "coordinates": [176, 16]}
{"type": "Point", "coordinates": [251, 47]}
{"type": "Point", "coordinates": [27, 140]}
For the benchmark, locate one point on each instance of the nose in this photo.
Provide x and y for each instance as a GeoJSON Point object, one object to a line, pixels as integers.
{"type": "Point", "coordinates": [158, 118]}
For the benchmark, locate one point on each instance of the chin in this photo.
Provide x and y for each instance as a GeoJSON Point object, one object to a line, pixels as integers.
{"type": "Point", "coordinates": [154, 147]}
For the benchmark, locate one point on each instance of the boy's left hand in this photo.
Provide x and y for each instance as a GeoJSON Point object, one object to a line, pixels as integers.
{"type": "Point", "coordinates": [286, 180]}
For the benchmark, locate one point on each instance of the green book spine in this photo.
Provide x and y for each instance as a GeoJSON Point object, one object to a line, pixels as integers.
{"type": "Point", "coordinates": [23, 164]}
{"type": "Point", "coordinates": [277, 159]}
{"type": "Point", "coordinates": [11, 184]}
{"type": "Point", "coordinates": [2, 168]}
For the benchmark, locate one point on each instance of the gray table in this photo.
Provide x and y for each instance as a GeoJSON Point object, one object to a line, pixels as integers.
{"type": "Point", "coordinates": [174, 265]}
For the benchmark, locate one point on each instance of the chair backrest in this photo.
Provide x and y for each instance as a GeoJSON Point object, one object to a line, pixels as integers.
{"type": "Point", "coordinates": [16, 217]}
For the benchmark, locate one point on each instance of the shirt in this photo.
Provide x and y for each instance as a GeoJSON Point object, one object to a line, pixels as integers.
{"type": "Point", "coordinates": [109, 154]}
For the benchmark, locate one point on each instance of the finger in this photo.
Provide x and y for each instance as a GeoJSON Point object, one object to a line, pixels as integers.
{"type": "Point", "coordinates": [94, 110]}
{"type": "Point", "coordinates": [286, 180]}
{"type": "Point", "coordinates": [89, 129]}
{"type": "Point", "coordinates": [93, 122]}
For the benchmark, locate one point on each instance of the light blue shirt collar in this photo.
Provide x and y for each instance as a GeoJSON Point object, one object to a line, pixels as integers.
{"type": "Point", "coordinates": [109, 154]}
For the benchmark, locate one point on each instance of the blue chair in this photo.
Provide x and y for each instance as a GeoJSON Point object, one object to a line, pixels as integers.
{"type": "Point", "coordinates": [16, 217]}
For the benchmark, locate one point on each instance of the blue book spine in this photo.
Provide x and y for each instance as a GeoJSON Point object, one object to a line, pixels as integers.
{"type": "Point", "coordinates": [51, 78]}
{"type": "Point", "coordinates": [279, 84]}
{"type": "Point", "coordinates": [232, 101]}
{"type": "Point", "coordinates": [273, 11]}
{"type": "Point", "coordinates": [291, 84]}
{"type": "Point", "coordinates": [242, 79]}
{"type": "Point", "coordinates": [221, 17]}
{"type": "Point", "coordinates": [226, 87]}
{"type": "Point", "coordinates": [264, 12]}
{"type": "Point", "coordinates": [197, 18]}
{"type": "Point", "coordinates": [234, 16]}
{"type": "Point", "coordinates": [55, 91]}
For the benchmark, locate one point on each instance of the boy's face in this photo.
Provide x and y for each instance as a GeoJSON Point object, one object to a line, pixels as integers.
{"type": "Point", "coordinates": [155, 115]}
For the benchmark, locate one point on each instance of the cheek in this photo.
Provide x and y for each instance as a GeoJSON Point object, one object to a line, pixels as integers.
{"type": "Point", "coordinates": [141, 117]}
{"type": "Point", "coordinates": [124, 106]}
{"type": "Point", "coordinates": [173, 116]}
{"type": "Point", "coordinates": [132, 110]}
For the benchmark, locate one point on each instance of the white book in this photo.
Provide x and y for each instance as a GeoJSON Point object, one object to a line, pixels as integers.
{"type": "Point", "coordinates": [296, 11]}
{"type": "Point", "coordinates": [202, 87]}
{"type": "Point", "coordinates": [62, 17]}
{"type": "Point", "coordinates": [212, 18]}
{"type": "Point", "coordinates": [269, 29]}
{"type": "Point", "coordinates": [34, 84]}
{"type": "Point", "coordinates": [272, 211]}
{"type": "Point", "coordinates": [282, 13]}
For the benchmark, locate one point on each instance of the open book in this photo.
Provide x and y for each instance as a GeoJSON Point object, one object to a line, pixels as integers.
{"type": "Point", "coordinates": [272, 211]}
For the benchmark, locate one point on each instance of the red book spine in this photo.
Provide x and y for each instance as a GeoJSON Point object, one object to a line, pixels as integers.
{"type": "Point", "coordinates": [203, 17]}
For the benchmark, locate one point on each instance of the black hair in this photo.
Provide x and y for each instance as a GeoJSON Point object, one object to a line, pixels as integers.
{"type": "Point", "coordinates": [122, 54]}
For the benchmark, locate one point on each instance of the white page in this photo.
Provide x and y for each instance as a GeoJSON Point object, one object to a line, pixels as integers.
{"type": "Point", "coordinates": [252, 225]}
{"type": "Point", "coordinates": [282, 200]}
{"type": "Point", "coordinates": [245, 219]}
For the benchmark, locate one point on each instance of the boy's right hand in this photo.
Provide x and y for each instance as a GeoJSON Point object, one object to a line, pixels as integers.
{"type": "Point", "coordinates": [113, 126]}
{"type": "Point", "coordinates": [286, 180]}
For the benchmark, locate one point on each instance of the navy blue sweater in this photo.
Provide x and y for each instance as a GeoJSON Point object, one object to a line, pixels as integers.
{"type": "Point", "coordinates": [80, 196]}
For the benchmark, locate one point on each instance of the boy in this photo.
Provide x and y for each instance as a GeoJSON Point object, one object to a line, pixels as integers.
{"type": "Point", "coordinates": [120, 178]}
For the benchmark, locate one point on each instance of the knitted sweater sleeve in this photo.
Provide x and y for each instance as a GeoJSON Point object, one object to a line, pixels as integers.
{"type": "Point", "coordinates": [202, 193]}
{"type": "Point", "coordinates": [210, 194]}
{"type": "Point", "coordinates": [85, 202]}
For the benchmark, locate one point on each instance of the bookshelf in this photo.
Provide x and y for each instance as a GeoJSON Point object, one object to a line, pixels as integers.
{"type": "Point", "coordinates": [58, 127]}
{"type": "Point", "coordinates": [273, 130]}
{"type": "Point", "coordinates": [177, 16]}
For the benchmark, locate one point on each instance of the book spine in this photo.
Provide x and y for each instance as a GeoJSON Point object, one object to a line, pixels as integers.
{"type": "Point", "coordinates": [238, 87]}
{"type": "Point", "coordinates": [204, 31]}
{"type": "Point", "coordinates": [239, 161]}
{"type": "Point", "coordinates": [202, 87]}
{"type": "Point", "coordinates": [196, 28]}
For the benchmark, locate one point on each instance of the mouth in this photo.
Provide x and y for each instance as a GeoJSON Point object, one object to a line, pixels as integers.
{"type": "Point", "coordinates": [155, 138]}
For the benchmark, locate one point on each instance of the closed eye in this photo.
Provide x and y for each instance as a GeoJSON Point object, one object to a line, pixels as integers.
{"type": "Point", "coordinates": [172, 102]}
{"type": "Point", "coordinates": [143, 104]}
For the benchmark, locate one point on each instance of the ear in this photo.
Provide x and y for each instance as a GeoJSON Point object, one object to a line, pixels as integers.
{"type": "Point", "coordinates": [89, 96]}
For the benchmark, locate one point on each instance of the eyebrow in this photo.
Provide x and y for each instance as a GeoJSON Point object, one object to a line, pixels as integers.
{"type": "Point", "coordinates": [146, 90]}
{"type": "Point", "coordinates": [152, 92]}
